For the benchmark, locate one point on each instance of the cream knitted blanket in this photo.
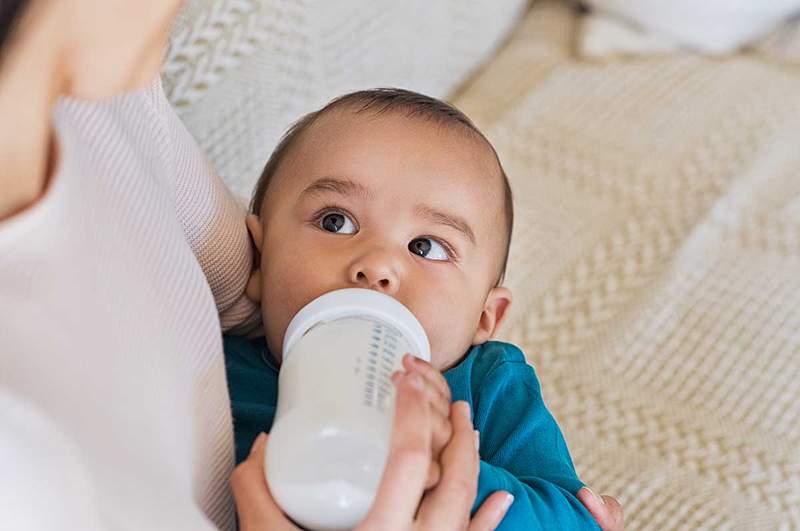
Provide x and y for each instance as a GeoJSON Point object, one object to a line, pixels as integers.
{"type": "Point", "coordinates": [656, 256]}
{"type": "Point", "coordinates": [656, 269]}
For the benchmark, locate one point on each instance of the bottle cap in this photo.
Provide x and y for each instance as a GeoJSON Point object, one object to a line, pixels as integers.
{"type": "Point", "coordinates": [351, 302]}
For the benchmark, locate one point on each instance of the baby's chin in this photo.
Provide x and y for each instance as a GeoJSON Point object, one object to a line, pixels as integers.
{"type": "Point", "coordinates": [445, 362]}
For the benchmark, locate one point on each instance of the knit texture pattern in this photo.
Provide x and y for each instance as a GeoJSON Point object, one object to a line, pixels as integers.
{"type": "Point", "coordinates": [239, 72]}
{"type": "Point", "coordinates": [656, 268]}
{"type": "Point", "coordinates": [112, 382]}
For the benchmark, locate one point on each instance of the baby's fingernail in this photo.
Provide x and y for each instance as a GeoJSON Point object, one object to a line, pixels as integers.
{"type": "Point", "coordinates": [597, 498]}
{"type": "Point", "coordinates": [415, 380]}
{"type": "Point", "coordinates": [477, 435]}
{"type": "Point", "coordinates": [396, 377]}
{"type": "Point", "coordinates": [508, 501]}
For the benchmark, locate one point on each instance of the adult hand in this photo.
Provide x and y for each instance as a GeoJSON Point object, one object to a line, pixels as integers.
{"type": "Point", "coordinates": [606, 510]}
{"type": "Point", "coordinates": [399, 503]}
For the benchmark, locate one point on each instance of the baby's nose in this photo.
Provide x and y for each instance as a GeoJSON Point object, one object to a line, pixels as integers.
{"type": "Point", "coordinates": [377, 271]}
{"type": "Point", "coordinates": [382, 284]}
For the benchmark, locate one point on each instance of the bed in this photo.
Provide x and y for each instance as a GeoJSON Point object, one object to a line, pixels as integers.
{"type": "Point", "coordinates": [656, 255]}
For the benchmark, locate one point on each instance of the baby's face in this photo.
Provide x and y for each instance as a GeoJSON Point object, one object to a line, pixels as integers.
{"type": "Point", "coordinates": [391, 203]}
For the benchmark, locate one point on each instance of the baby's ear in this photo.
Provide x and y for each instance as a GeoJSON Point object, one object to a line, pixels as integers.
{"type": "Point", "coordinates": [495, 310]}
{"type": "Point", "coordinates": [253, 290]}
{"type": "Point", "coordinates": [255, 229]}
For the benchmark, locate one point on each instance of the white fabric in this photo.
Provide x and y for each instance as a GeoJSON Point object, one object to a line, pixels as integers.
{"type": "Point", "coordinates": [112, 382]}
{"type": "Point", "coordinates": [710, 26]}
{"type": "Point", "coordinates": [783, 44]}
{"type": "Point", "coordinates": [604, 36]}
{"type": "Point", "coordinates": [31, 495]}
{"type": "Point", "coordinates": [240, 72]}
{"type": "Point", "coordinates": [655, 268]}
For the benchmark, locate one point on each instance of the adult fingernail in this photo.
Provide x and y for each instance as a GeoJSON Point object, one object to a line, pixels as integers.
{"type": "Point", "coordinates": [415, 380]}
{"type": "Point", "coordinates": [477, 436]}
{"type": "Point", "coordinates": [259, 439]}
{"type": "Point", "coordinates": [508, 501]}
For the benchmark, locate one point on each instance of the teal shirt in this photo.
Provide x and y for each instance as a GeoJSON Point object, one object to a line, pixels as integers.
{"type": "Point", "coordinates": [522, 449]}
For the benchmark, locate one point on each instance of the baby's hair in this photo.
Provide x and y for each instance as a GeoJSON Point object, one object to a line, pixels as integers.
{"type": "Point", "coordinates": [380, 101]}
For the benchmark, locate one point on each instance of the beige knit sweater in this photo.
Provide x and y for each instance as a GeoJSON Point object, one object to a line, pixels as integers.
{"type": "Point", "coordinates": [115, 413]}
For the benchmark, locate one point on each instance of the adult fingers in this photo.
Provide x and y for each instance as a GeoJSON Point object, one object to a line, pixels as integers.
{"type": "Point", "coordinates": [448, 505]}
{"type": "Point", "coordinates": [406, 469]}
{"type": "Point", "coordinates": [491, 511]}
{"type": "Point", "coordinates": [254, 504]}
{"type": "Point", "coordinates": [606, 510]}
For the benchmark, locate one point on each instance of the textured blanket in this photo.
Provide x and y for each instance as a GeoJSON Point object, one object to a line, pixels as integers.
{"type": "Point", "coordinates": [656, 269]}
{"type": "Point", "coordinates": [656, 255]}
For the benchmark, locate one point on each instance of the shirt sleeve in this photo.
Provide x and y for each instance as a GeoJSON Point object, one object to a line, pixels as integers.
{"type": "Point", "coordinates": [523, 451]}
{"type": "Point", "coordinates": [213, 220]}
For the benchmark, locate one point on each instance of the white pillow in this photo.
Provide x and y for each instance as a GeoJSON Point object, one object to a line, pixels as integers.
{"type": "Point", "coordinates": [710, 26]}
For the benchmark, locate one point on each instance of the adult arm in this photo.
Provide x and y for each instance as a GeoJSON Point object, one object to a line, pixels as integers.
{"type": "Point", "coordinates": [213, 221]}
{"type": "Point", "coordinates": [69, 43]}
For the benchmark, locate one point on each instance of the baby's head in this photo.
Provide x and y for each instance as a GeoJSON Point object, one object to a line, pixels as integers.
{"type": "Point", "coordinates": [389, 190]}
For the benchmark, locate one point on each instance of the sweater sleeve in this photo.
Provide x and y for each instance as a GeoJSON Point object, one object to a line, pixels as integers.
{"type": "Point", "coordinates": [524, 452]}
{"type": "Point", "coordinates": [213, 221]}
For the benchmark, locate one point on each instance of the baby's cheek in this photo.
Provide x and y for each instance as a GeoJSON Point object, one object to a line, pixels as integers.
{"type": "Point", "coordinates": [453, 328]}
{"type": "Point", "coordinates": [287, 272]}
{"type": "Point", "coordinates": [282, 293]}
{"type": "Point", "coordinates": [445, 333]}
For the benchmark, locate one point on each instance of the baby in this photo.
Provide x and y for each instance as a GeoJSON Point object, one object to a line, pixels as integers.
{"type": "Point", "coordinates": [394, 191]}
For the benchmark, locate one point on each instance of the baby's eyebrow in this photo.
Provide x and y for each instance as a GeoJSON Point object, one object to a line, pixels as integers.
{"type": "Point", "coordinates": [340, 186]}
{"type": "Point", "coordinates": [443, 218]}
{"type": "Point", "coordinates": [347, 187]}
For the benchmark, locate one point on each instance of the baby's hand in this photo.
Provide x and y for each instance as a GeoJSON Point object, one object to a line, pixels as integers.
{"type": "Point", "coordinates": [438, 393]}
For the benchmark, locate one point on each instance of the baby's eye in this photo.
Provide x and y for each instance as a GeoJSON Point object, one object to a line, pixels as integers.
{"type": "Point", "coordinates": [428, 248]}
{"type": "Point", "coordinates": [337, 222]}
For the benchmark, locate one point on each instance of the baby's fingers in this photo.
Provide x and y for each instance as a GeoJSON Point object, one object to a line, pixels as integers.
{"type": "Point", "coordinates": [442, 432]}
{"type": "Point", "coordinates": [606, 510]}
{"type": "Point", "coordinates": [434, 475]}
{"type": "Point", "coordinates": [437, 388]}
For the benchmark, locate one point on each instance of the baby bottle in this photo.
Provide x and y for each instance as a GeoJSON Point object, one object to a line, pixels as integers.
{"type": "Point", "coordinates": [330, 439]}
